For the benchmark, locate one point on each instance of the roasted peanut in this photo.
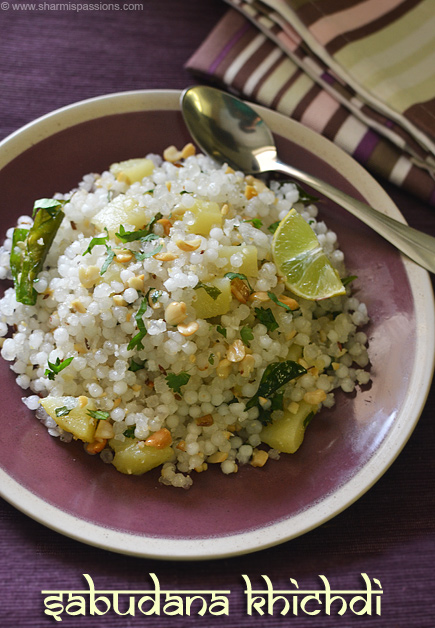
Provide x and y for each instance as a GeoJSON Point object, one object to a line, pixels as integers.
{"type": "Point", "coordinates": [175, 312]}
{"type": "Point", "coordinates": [188, 329]}
{"type": "Point", "coordinates": [160, 439]}
{"type": "Point", "coordinates": [236, 351]}
{"type": "Point", "coordinates": [239, 290]}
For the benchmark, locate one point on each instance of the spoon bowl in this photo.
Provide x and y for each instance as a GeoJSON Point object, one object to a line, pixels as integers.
{"type": "Point", "coordinates": [231, 131]}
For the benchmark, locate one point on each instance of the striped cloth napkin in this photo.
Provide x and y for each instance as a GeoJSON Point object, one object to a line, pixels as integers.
{"type": "Point", "coordinates": [361, 72]}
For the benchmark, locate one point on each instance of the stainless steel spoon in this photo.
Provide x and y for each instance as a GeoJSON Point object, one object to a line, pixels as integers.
{"type": "Point", "coordinates": [230, 131]}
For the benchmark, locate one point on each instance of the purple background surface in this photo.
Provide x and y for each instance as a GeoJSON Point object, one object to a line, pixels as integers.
{"type": "Point", "coordinates": [50, 58]}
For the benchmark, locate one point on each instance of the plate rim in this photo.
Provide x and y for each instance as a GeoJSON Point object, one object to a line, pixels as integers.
{"type": "Point", "coordinates": [166, 548]}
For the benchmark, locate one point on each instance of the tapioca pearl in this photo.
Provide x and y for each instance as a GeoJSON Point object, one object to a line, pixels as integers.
{"type": "Point", "coordinates": [228, 466]}
{"type": "Point", "coordinates": [117, 414]}
{"type": "Point", "coordinates": [130, 295]}
{"type": "Point", "coordinates": [119, 388]}
{"type": "Point", "coordinates": [265, 342]}
{"type": "Point", "coordinates": [95, 390]}
{"type": "Point", "coordinates": [60, 335]}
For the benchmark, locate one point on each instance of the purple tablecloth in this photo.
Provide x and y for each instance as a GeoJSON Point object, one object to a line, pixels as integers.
{"type": "Point", "coordinates": [50, 58]}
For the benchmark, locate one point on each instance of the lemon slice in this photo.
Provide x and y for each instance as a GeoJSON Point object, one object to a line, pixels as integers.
{"type": "Point", "coordinates": [300, 259]}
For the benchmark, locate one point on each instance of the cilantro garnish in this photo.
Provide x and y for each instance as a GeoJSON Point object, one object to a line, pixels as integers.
{"type": "Point", "coordinates": [346, 280]}
{"type": "Point", "coordinates": [266, 317]}
{"type": "Point", "coordinates": [275, 299]}
{"type": "Point", "coordinates": [155, 295]}
{"type": "Point", "coordinates": [273, 227]}
{"type": "Point", "coordinates": [109, 259]}
{"type": "Point", "coordinates": [54, 368]}
{"type": "Point", "coordinates": [256, 222]}
{"type": "Point", "coordinates": [62, 411]}
{"type": "Point", "coordinates": [103, 240]}
{"type": "Point", "coordinates": [221, 330]}
{"type": "Point", "coordinates": [129, 432]}
{"type": "Point", "coordinates": [246, 335]}
{"type": "Point", "coordinates": [232, 276]}
{"type": "Point", "coordinates": [96, 241]}
{"type": "Point", "coordinates": [212, 291]}
{"type": "Point", "coordinates": [131, 236]}
{"type": "Point", "coordinates": [136, 366]}
{"type": "Point", "coordinates": [176, 381]}
{"type": "Point", "coordinates": [136, 341]}
{"type": "Point", "coordinates": [146, 232]}
{"type": "Point", "coordinates": [100, 415]}
{"type": "Point", "coordinates": [141, 256]}
{"type": "Point", "coordinates": [305, 197]}
{"type": "Point", "coordinates": [211, 359]}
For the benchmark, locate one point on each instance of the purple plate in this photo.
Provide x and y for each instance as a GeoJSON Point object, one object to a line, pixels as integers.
{"type": "Point", "coordinates": [346, 449]}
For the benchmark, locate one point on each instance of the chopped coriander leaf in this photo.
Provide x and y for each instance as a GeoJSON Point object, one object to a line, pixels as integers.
{"type": "Point", "coordinates": [273, 227]}
{"type": "Point", "coordinates": [136, 366]}
{"type": "Point", "coordinates": [275, 299]}
{"type": "Point", "coordinates": [246, 335]}
{"type": "Point", "coordinates": [62, 411]}
{"type": "Point", "coordinates": [140, 234]}
{"type": "Point", "coordinates": [221, 330]}
{"type": "Point", "coordinates": [232, 276]}
{"type": "Point", "coordinates": [141, 256]}
{"type": "Point", "coordinates": [155, 219]}
{"type": "Point", "coordinates": [308, 419]}
{"type": "Point", "coordinates": [149, 237]}
{"type": "Point", "coordinates": [275, 375]}
{"type": "Point", "coordinates": [256, 222]}
{"type": "Point", "coordinates": [141, 311]}
{"type": "Point", "coordinates": [211, 359]}
{"type": "Point", "coordinates": [136, 341]}
{"type": "Point", "coordinates": [347, 280]}
{"type": "Point", "coordinates": [100, 415]}
{"type": "Point", "coordinates": [54, 368]}
{"type": "Point", "coordinates": [266, 317]}
{"type": "Point", "coordinates": [129, 432]}
{"type": "Point", "coordinates": [212, 291]}
{"type": "Point", "coordinates": [305, 197]}
{"type": "Point", "coordinates": [176, 381]}
{"type": "Point", "coordinates": [155, 295]}
{"type": "Point", "coordinates": [108, 260]}
{"type": "Point", "coordinates": [131, 236]}
{"type": "Point", "coordinates": [96, 241]}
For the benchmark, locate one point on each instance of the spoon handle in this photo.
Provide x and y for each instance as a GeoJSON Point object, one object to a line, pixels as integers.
{"type": "Point", "coordinates": [418, 246]}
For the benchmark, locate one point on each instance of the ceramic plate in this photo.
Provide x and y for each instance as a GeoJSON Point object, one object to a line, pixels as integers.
{"type": "Point", "coordinates": [346, 448]}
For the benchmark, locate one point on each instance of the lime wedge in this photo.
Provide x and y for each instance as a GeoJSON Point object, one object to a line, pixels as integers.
{"type": "Point", "coordinates": [300, 259]}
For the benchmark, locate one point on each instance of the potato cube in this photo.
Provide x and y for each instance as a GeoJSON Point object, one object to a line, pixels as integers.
{"type": "Point", "coordinates": [207, 307]}
{"type": "Point", "coordinates": [121, 211]}
{"type": "Point", "coordinates": [132, 170]}
{"type": "Point", "coordinates": [71, 414]}
{"type": "Point", "coordinates": [287, 433]}
{"type": "Point", "coordinates": [133, 457]}
{"type": "Point", "coordinates": [207, 215]}
{"type": "Point", "coordinates": [248, 252]}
